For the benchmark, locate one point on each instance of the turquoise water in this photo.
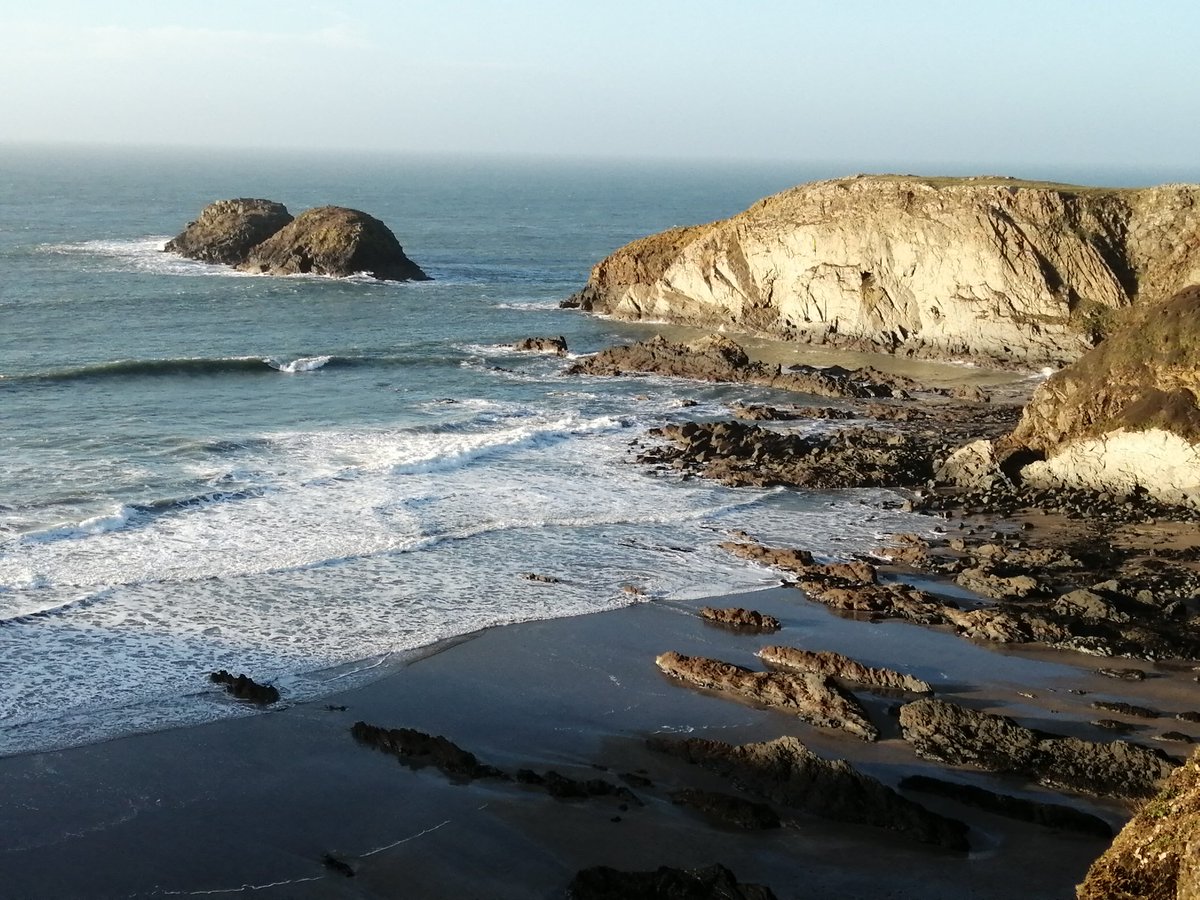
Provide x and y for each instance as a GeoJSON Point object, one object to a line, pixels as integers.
{"type": "Point", "coordinates": [300, 477]}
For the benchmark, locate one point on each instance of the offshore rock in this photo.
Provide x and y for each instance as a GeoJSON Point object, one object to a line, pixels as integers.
{"type": "Point", "coordinates": [995, 267]}
{"type": "Point", "coordinates": [786, 772]}
{"type": "Point", "coordinates": [605, 883]}
{"type": "Point", "coordinates": [226, 231]}
{"type": "Point", "coordinates": [246, 688]}
{"type": "Point", "coordinates": [333, 240]}
{"type": "Point", "coordinates": [953, 734]}
{"type": "Point", "coordinates": [808, 696]}
{"type": "Point", "coordinates": [555, 345]}
{"type": "Point", "coordinates": [1157, 854]}
{"type": "Point", "coordinates": [737, 617]}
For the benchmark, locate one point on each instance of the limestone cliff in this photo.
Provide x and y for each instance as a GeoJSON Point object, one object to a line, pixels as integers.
{"type": "Point", "coordinates": [1125, 415]}
{"type": "Point", "coordinates": [994, 267]}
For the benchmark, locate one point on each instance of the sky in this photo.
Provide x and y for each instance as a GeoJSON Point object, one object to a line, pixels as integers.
{"type": "Point", "coordinates": [923, 82]}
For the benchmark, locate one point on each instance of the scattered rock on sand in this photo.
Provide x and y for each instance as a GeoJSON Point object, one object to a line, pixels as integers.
{"type": "Point", "coordinates": [1157, 854]}
{"type": "Point", "coordinates": [737, 617]}
{"type": "Point", "coordinates": [959, 736]}
{"type": "Point", "coordinates": [728, 809]}
{"type": "Point", "coordinates": [1051, 815]}
{"type": "Point", "coordinates": [835, 665]}
{"type": "Point", "coordinates": [1126, 709]}
{"type": "Point", "coordinates": [810, 697]}
{"type": "Point", "coordinates": [417, 749]}
{"type": "Point", "coordinates": [556, 345]}
{"type": "Point", "coordinates": [246, 688]}
{"type": "Point", "coordinates": [786, 772]}
{"type": "Point", "coordinates": [712, 883]}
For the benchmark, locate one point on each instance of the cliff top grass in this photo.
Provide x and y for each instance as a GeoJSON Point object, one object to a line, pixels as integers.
{"type": "Point", "coordinates": [997, 181]}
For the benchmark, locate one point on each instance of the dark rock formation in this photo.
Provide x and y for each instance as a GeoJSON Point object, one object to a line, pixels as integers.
{"type": "Point", "coordinates": [1157, 854]}
{"type": "Point", "coordinates": [810, 697]}
{"type": "Point", "coordinates": [1126, 709]}
{"type": "Point", "coordinates": [759, 413]}
{"type": "Point", "coordinates": [716, 358]}
{"type": "Point", "coordinates": [737, 617]}
{"type": "Point", "coordinates": [340, 866]}
{"type": "Point", "coordinates": [959, 736]}
{"type": "Point", "coordinates": [728, 809]}
{"type": "Point", "coordinates": [560, 787]}
{"type": "Point", "coordinates": [556, 345]}
{"type": "Point", "coordinates": [246, 688]}
{"type": "Point", "coordinates": [227, 230]}
{"type": "Point", "coordinates": [785, 772]}
{"type": "Point", "coordinates": [333, 240]}
{"type": "Point", "coordinates": [417, 749]}
{"type": "Point", "coordinates": [835, 665]}
{"type": "Point", "coordinates": [713, 883]}
{"type": "Point", "coordinates": [1051, 815]}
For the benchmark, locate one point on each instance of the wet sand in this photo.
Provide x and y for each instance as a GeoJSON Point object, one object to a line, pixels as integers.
{"type": "Point", "coordinates": [252, 805]}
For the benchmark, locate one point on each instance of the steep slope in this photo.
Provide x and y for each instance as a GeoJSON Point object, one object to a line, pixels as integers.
{"type": "Point", "coordinates": [992, 267]}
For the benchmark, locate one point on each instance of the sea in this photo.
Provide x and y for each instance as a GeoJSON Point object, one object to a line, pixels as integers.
{"type": "Point", "coordinates": [310, 479]}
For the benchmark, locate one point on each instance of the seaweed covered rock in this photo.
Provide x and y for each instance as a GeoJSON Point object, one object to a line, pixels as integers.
{"type": "Point", "coordinates": [334, 240]}
{"type": "Point", "coordinates": [227, 230]}
{"type": "Point", "coordinates": [1156, 856]}
{"type": "Point", "coordinates": [605, 883]}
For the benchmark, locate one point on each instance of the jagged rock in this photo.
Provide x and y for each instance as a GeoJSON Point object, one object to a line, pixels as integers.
{"type": "Point", "coordinates": [1124, 418]}
{"type": "Point", "coordinates": [810, 697]}
{"type": "Point", "coordinates": [556, 345]}
{"type": "Point", "coordinates": [835, 665]}
{"type": "Point", "coordinates": [541, 579]}
{"type": "Point", "coordinates": [560, 787]}
{"type": "Point", "coordinates": [605, 883]}
{"type": "Point", "coordinates": [717, 358]}
{"type": "Point", "coordinates": [1123, 674]}
{"type": "Point", "coordinates": [727, 809]}
{"type": "Point", "coordinates": [417, 749]}
{"type": "Point", "coordinates": [1051, 815]}
{"type": "Point", "coordinates": [226, 231]}
{"type": "Point", "coordinates": [1089, 605]}
{"type": "Point", "coordinates": [333, 240]}
{"type": "Point", "coordinates": [956, 735]}
{"type": "Point", "coordinates": [907, 264]}
{"type": "Point", "coordinates": [1157, 854]}
{"type": "Point", "coordinates": [983, 581]}
{"type": "Point", "coordinates": [1128, 709]}
{"type": "Point", "coordinates": [246, 688]}
{"type": "Point", "coordinates": [760, 413]}
{"type": "Point", "coordinates": [785, 772]}
{"type": "Point", "coordinates": [737, 617]}
{"type": "Point", "coordinates": [1114, 725]}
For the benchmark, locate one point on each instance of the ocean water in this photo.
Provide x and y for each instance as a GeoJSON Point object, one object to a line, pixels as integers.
{"type": "Point", "coordinates": [303, 478]}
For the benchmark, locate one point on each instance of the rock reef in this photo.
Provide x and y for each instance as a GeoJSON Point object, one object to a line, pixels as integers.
{"type": "Point", "coordinates": [992, 267]}
{"type": "Point", "coordinates": [261, 236]}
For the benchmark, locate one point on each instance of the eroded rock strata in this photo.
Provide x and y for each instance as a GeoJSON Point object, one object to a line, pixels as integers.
{"type": "Point", "coordinates": [739, 618]}
{"type": "Point", "coordinates": [808, 696]}
{"type": "Point", "coordinates": [835, 665]}
{"type": "Point", "coordinates": [994, 267]}
{"type": "Point", "coordinates": [954, 734]}
{"type": "Point", "coordinates": [786, 772]}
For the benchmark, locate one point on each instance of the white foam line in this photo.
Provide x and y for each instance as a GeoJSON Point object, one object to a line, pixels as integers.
{"type": "Point", "coordinates": [411, 837]}
{"type": "Point", "coordinates": [236, 890]}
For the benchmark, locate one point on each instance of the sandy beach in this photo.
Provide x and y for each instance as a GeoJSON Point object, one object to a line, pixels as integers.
{"type": "Point", "coordinates": [253, 805]}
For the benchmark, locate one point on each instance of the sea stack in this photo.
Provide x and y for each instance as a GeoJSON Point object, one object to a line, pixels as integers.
{"type": "Point", "coordinates": [261, 236]}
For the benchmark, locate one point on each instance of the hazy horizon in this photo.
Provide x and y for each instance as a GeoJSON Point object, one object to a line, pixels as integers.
{"type": "Point", "coordinates": [1008, 88]}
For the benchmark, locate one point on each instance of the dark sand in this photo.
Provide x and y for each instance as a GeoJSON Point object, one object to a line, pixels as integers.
{"type": "Point", "coordinates": [251, 805]}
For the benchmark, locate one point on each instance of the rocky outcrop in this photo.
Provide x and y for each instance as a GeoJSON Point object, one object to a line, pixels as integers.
{"type": "Point", "coordinates": [739, 618]}
{"type": "Point", "coordinates": [835, 665]}
{"type": "Point", "coordinates": [555, 345]}
{"type": "Point", "coordinates": [227, 230]}
{"type": "Point", "coordinates": [984, 266]}
{"type": "Point", "coordinates": [246, 688]}
{"type": "Point", "coordinates": [1124, 418]}
{"type": "Point", "coordinates": [786, 772]}
{"type": "Point", "coordinates": [717, 358]}
{"type": "Point", "coordinates": [1156, 856]}
{"type": "Point", "coordinates": [333, 240]}
{"type": "Point", "coordinates": [728, 809]}
{"type": "Point", "coordinates": [605, 883]}
{"type": "Point", "coordinates": [807, 696]}
{"type": "Point", "coordinates": [959, 736]}
{"type": "Point", "coordinates": [416, 749]}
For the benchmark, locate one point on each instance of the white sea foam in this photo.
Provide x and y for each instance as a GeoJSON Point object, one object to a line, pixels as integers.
{"type": "Point", "coordinates": [303, 364]}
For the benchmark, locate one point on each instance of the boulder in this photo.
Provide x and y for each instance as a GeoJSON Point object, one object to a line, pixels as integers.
{"type": "Point", "coordinates": [737, 617]}
{"type": "Point", "coordinates": [953, 734]}
{"type": "Point", "coordinates": [333, 240]}
{"type": "Point", "coordinates": [227, 230]}
{"type": "Point", "coordinates": [246, 688]}
{"type": "Point", "coordinates": [808, 696]}
{"type": "Point", "coordinates": [555, 345]}
{"type": "Point", "coordinates": [786, 772]}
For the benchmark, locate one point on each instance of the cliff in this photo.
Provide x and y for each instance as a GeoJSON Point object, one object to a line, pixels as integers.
{"type": "Point", "coordinates": [991, 267]}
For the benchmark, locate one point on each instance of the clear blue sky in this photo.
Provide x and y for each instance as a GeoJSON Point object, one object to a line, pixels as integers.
{"type": "Point", "coordinates": [1053, 82]}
